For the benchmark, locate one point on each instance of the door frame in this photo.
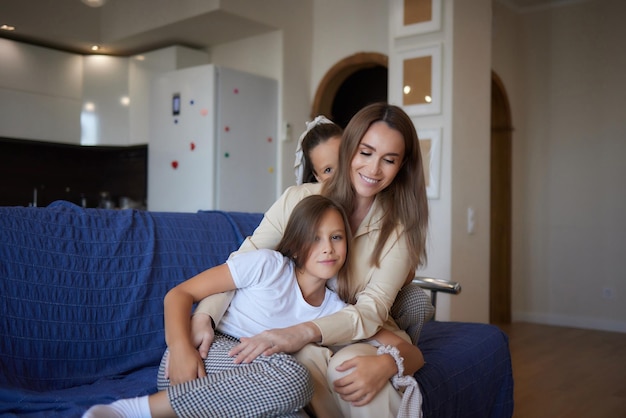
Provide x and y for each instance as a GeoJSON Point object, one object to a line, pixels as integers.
{"type": "Point", "coordinates": [500, 205]}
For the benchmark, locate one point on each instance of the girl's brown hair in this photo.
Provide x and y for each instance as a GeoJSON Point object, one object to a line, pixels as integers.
{"type": "Point", "coordinates": [300, 233]}
{"type": "Point", "coordinates": [404, 201]}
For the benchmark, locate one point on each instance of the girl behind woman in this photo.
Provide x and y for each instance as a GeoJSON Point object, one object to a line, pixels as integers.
{"type": "Point", "coordinates": [317, 153]}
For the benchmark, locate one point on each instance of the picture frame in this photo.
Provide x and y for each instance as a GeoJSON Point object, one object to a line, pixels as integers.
{"type": "Point", "coordinates": [412, 17]}
{"type": "Point", "coordinates": [416, 80]}
{"type": "Point", "coordinates": [430, 146]}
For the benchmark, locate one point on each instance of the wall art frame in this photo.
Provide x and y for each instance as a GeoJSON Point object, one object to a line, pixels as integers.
{"type": "Point", "coordinates": [399, 12]}
{"type": "Point", "coordinates": [430, 145]}
{"type": "Point", "coordinates": [427, 79]}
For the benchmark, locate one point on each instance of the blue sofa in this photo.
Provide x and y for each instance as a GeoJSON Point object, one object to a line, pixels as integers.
{"type": "Point", "coordinates": [81, 312]}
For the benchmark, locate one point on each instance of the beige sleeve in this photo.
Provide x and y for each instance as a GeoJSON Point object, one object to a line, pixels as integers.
{"type": "Point", "coordinates": [215, 305]}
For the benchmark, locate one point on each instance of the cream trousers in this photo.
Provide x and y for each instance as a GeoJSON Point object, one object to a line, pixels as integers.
{"type": "Point", "coordinates": [321, 363]}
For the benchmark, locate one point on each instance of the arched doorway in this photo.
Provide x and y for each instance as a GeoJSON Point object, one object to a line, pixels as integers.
{"type": "Point", "coordinates": [501, 202]}
{"type": "Point", "coordinates": [365, 72]}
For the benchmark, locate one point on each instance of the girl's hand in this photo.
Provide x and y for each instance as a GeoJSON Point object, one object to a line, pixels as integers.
{"type": "Point", "coordinates": [202, 333]}
{"type": "Point", "coordinates": [369, 375]}
{"type": "Point", "coordinates": [202, 336]}
{"type": "Point", "coordinates": [184, 364]}
{"type": "Point", "coordinates": [281, 340]}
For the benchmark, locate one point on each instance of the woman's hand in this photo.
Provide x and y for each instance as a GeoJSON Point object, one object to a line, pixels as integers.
{"type": "Point", "coordinates": [369, 375]}
{"type": "Point", "coordinates": [285, 340]}
{"type": "Point", "coordinates": [184, 364]}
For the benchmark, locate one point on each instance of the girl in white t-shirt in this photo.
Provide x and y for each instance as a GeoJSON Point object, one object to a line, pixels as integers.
{"type": "Point", "coordinates": [275, 289]}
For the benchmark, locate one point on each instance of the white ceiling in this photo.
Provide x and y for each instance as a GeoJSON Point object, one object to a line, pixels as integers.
{"type": "Point", "coordinates": [71, 25]}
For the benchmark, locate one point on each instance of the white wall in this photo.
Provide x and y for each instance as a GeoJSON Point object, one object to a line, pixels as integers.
{"type": "Point", "coordinates": [471, 115]}
{"type": "Point", "coordinates": [260, 55]}
{"type": "Point", "coordinates": [568, 93]}
{"type": "Point", "coordinates": [343, 28]}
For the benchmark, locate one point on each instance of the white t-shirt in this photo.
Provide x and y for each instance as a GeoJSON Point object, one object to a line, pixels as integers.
{"type": "Point", "coordinates": [268, 295]}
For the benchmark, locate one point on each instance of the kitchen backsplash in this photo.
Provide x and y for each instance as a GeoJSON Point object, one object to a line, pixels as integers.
{"type": "Point", "coordinates": [38, 173]}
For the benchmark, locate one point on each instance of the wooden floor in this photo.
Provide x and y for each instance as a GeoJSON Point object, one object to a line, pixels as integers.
{"type": "Point", "coordinates": [563, 372]}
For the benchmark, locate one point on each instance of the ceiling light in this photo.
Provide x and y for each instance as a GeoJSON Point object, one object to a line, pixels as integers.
{"type": "Point", "coordinates": [95, 47]}
{"type": "Point", "coordinates": [7, 27]}
{"type": "Point", "coordinates": [94, 3]}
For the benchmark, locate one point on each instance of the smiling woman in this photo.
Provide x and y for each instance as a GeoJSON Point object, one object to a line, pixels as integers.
{"type": "Point", "coordinates": [380, 183]}
{"type": "Point", "coordinates": [374, 166]}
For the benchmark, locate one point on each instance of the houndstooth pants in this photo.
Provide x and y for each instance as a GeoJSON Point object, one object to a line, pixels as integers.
{"type": "Point", "coordinates": [411, 310]}
{"type": "Point", "coordinates": [272, 386]}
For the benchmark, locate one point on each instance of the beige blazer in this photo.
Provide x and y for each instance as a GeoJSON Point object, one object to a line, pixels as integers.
{"type": "Point", "coordinates": [379, 286]}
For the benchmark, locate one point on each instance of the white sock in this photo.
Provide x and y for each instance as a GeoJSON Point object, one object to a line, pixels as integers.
{"type": "Point", "coordinates": [123, 408]}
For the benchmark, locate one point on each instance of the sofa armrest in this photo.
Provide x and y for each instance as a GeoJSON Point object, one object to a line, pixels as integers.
{"type": "Point", "coordinates": [437, 285]}
{"type": "Point", "coordinates": [467, 371]}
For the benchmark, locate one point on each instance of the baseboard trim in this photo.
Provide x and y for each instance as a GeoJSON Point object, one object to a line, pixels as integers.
{"type": "Point", "coordinates": [570, 321]}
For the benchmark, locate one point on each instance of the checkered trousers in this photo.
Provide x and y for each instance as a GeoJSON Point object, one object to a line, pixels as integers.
{"type": "Point", "coordinates": [411, 310]}
{"type": "Point", "coordinates": [272, 386]}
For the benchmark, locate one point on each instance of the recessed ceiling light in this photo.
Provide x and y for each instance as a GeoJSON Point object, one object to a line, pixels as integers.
{"type": "Point", "coordinates": [95, 47]}
{"type": "Point", "coordinates": [94, 3]}
{"type": "Point", "coordinates": [7, 27]}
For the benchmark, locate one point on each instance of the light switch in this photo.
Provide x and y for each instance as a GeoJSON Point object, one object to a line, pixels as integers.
{"type": "Point", "coordinates": [286, 132]}
{"type": "Point", "coordinates": [471, 222]}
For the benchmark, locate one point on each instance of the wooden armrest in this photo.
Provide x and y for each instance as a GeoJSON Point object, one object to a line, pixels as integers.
{"type": "Point", "coordinates": [437, 285]}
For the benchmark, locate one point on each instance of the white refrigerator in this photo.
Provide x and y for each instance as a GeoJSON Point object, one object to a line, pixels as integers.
{"type": "Point", "coordinates": [213, 141]}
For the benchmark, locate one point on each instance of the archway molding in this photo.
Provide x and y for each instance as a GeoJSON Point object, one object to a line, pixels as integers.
{"type": "Point", "coordinates": [337, 74]}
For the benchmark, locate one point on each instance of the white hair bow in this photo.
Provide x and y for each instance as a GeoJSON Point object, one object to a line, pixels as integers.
{"type": "Point", "coordinates": [299, 163]}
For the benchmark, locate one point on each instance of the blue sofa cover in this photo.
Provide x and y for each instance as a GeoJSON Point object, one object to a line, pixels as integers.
{"type": "Point", "coordinates": [81, 311]}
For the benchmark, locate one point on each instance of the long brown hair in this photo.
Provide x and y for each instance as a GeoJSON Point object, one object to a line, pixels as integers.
{"type": "Point", "coordinates": [300, 233]}
{"type": "Point", "coordinates": [404, 201]}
